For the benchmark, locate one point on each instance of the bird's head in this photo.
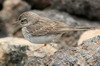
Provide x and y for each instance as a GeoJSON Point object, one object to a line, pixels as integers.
{"type": "Point", "coordinates": [27, 18]}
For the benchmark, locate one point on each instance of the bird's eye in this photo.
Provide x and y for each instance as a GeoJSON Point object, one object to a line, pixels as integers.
{"type": "Point", "coordinates": [24, 21]}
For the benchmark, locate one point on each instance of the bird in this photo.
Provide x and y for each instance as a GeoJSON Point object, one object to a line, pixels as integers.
{"type": "Point", "coordinates": [41, 30]}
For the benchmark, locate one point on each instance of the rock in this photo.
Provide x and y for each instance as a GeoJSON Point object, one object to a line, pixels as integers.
{"type": "Point", "coordinates": [12, 54]}
{"type": "Point", "coordinates": [60, 58]}
{"type": "Point", "coordinates": [92, 44]}
{"type": "Point", "coordinates": [1, 4]}
{"type": "Point", "coordinates": [90, 50]}
{"type": "Point", "coordinates": [88, 34]}
{"type": "Point", "coordinates": [14, 51]}
{"type": "Point", "coordinates": [2, 30]}
{"type": "Point", "coordinates": [12, 8]}
{"type": "Point", "coordinates": [37, 61]}
{"type": "Point", "coordinates": [38, 4]}
{"type": "Point", "coordinates": [86, 8]}
{"type": "Point", "coordinates": [45, 51]}
{"type": "Point", "coordinates": [68, 57]}
{"type": "Point", "coordinates": [18, 51]}
{"type": "Point", "coordinates": [9, 13]}
{"type": "Point", "coordinates": [87, 54]}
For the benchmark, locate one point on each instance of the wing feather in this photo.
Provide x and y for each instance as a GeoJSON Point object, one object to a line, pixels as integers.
{"type": "Point", "coordinates": [46, 26]}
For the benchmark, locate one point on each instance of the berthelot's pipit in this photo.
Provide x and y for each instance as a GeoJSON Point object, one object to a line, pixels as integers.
{"type": "Point", "coordinates": [42, 30]}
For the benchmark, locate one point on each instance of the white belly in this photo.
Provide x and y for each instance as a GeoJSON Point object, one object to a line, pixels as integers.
{"type": "Point", "coordinates": [38, 39]}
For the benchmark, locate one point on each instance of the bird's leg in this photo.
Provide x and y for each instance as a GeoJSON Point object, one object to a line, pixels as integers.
{"type": "Point", "coordinates": [40, 47]}
{"type": "Point", "coordinates": [30, 52]}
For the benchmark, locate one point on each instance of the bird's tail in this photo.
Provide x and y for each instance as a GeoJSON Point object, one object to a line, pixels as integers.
{"type": "Point", "coordinates": [85, 27]}
{"type": "Point", "coordinates": [80, 28]}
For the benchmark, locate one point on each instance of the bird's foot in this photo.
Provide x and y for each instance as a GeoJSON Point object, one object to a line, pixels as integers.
{"type": "Point", "coordinates": [40, 48]}
{"type": "Point", "coordinates": [30, 52]}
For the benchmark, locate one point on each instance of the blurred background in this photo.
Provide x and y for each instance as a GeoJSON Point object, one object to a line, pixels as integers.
{"type": "Point", "coordinates": [13, 46]}
{"type": "Point", "coordinates": [71, 12]}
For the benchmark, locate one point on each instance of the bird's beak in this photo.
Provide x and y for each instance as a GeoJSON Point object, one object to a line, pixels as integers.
{"type": "Point", "coordinates": [16, 22]}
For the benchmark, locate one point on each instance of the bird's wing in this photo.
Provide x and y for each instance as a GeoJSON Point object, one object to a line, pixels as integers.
{"type": "Point", "coordinates": [46, 26]}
